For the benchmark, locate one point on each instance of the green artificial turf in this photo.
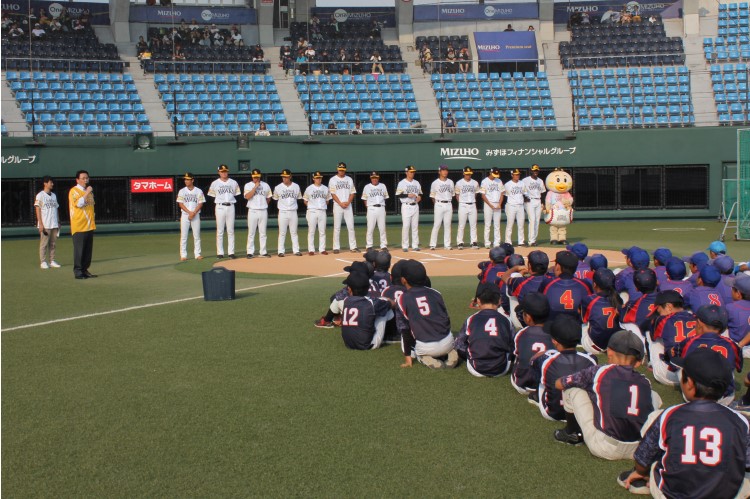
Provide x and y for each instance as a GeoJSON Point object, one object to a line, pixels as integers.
{"type": "Point", "coordinates": [247, 398]}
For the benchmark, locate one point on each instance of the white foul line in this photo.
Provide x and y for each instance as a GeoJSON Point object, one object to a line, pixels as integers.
{"type": "Point", "coordinates": [149, 305]}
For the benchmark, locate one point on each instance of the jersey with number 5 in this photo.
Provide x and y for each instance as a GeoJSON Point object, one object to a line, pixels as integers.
{"type": "Point", "coordinates": [426, 313]}
{"type": "Point", "coordinates": [704, 447]}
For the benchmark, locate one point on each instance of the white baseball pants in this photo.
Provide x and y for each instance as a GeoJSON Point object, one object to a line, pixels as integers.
{"type": "Point", "coordinates": [224, 218]}
{"type": "Point", "coordinates": [316, 221]}
{"type": "Point", "coordinates": [514, 215]}
{"type": "Point", "coordinates": [662, 374]}
{"type": "Point", "coordinates": [288, 220]}
{"type": "Point", "coordinates": [443, 216]}
{"type": "Point", "coordinates": [492, 218]}
{"type": "Point", "coordinates": [257, 221]}
{"type": "Point", "coordinates": [410, 224]}
{"type": "Point", "coordinates": [185, 226]}
{"type": "Point", "coordinates": [533, 213]}
{"type": "Point", "coordinates": [376, 215]}
{"type": "Point", "coordinates": [348, 216]}
{"type": "Point", "coordinates": [467, 211]}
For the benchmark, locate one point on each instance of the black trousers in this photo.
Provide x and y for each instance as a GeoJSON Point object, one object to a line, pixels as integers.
{"type": "Point", "coordinates": [83, 248]}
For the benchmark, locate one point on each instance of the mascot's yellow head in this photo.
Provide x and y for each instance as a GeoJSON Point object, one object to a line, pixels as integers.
{"type": "Point", "coordinates": [559, 181]}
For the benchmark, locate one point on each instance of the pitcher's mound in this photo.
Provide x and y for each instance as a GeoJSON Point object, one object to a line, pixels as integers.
{"type": "Point", "coordinates": [440, 262]}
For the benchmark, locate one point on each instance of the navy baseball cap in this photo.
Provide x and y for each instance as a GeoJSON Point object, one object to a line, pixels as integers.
{"type": "Point", "coordinates": [710, 276]}
{"type": "Point", "coordinates": [741, 283]}
{"type": "Point", "coordinates": [579, 249]}
{"type": "Point", "coordinates": [626, 343]}
{"type": "Point", "coordinates": [604, 278]}
{"type": "Point", "coordinates": [396, 272]}
{"type": "Point", "coordinates": [644, 280]}
{"type": "Point", "coordinates": [488, 287]}
{"type": "Point", "coordinates": [514, 260]}
{"type": "Point", "coordinates": [566, 259]}
{"type": "Point", "coordinates": [724, 264]}
{"type": "Point", "coordinates": [565, 329]}
{"type": "Point", "coordinates": [357, 280]}
{"type": "Point", "coordinates": [639, 259]}
{"type": "Point", "coordinates": [535, 304]}
{"type": "Point", "coordinates": [363, 267]}
{"type": "Point", "coordinates": [497, 254]}
{"type": "Point", "coordinates": [698, 259]}
{"type": "Point", "coordinates": [371, 255]}
{"type": "Point", "coordinates": [662, 254]}
{"type": "Point", "coordinates": [669, 296]}
{"type": "Point", "coordinates": [628, 251]}
{"type": "Point", "coordinates": [714, 316]}
{"type": "Point", "coordinates": [537, 257]}
{"type": "Point", "coordinates": [414, 272]}
{"type": "Point", "coordinates": [675, 269]}
{"type": "Point", "coordinates": [509, 249]}
{"type": "Point", "coordinates": [706, 367]}
{"type": "Point", "coordinates": [598, 261]}
{"type": "Point", "coordinates": [717, 247]}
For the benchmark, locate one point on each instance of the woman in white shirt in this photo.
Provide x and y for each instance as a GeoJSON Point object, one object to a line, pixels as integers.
{"type": "Point", "coordinates": [375, 59]}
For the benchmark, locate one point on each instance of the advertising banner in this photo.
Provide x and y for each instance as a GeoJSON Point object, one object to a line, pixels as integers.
{"type": "Point", "coordinates": [506, 46]}
{"type": "Point", "coordinates": [150, 185]}
{"type": "Point", "coordinates": [214, 15]}
{"type": "Point", "coordinates": [488, 12]}
{"type": "Point", "coordinates": [610, 11]}
{"type": "Point", "coordinates": [98, 12]}
{"type": "Point", "coordinates": [384, 15]}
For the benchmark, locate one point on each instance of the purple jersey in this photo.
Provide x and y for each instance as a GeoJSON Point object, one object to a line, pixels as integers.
{"type": "Point", "coordinates": [485, 341]}
{"type": "Point", "coordinates": [702, 295]}
{"type": "Point", "coordinates": [621, 398]}
{"type": "Point", "coordinates": [724, 346]}
{"type": "Point", "coordinates": [358, 320]}
{"type": "Point", "coordinates": [682, 287]}
{"type": "Point", "coordinates": [725, 290]}
{"type": "Point", "coordinates": [661, 274]}
{"type": "Point", "coordinates": [583, 270]}
{"type": "Point", "coordinates": [528, 342]}
{"type": "Point", "coordinates": [565, 295]}
{"type": "Point", "coordinates": [700, 450]}
{"type": "Point", "coordinates": [624, 282]}
{"type": "Point", "coordinates": [636, 311]}
{"type": "Point", "coordinates": [673, 328]}
{"type": "Point", "coordinates": [426, 313]}
{"type": "Point", "coordinates": [603, 319]}
{"type": "Point", "coordinates": [739, 319]}
{"type": "Point", "coordinates": [551, 366]}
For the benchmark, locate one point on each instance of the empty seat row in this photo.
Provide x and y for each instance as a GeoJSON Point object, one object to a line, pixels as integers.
{"type": "Point", "coordinates": [350, 117]}
{"type": "Point", "coordinates": [356, 87]}
{"type": "Point", "coordinates": [220, 107]}
{"type": "Point", "coordinates": [231, 128]}
{"type": "Point", "coordinates": [637, 100]}
{"type": "Point", "coordinates": [86, 118]}
{"type": "Point", "coordinates": [471, 77]}
{"type": "Point", "coordinates": [505, 125]}
{"type": "Point", "coordinates": [675, 121]}
{"type": "Point", "coordinates": [478, 105]}
{"type": "Point", "coordinates": [81, 107]}
{"type": "Point", "coordinates": [216, 87]}
{"type": "Point", "coordinates": [212, 78]}
{"type": "Point", "coordinates": [357, 106]}
{"type": "Point", "coordinates": [64, 77]}
{"type": "Point", "coordinates": [367, 128]}
{"type": "Point", "coordinates": [190, 118]}
{"type": "Point", "coordinates": [495, 85]}
{"type": "Point", "coordinates": [92, 129]}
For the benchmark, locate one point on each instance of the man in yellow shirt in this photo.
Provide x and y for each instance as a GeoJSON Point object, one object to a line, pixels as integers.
{"type": "Point", "coordinates": [82, 226]}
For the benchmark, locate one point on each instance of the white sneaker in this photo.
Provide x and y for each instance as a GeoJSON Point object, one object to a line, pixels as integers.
{"type": "Point", "coordinates": [44, 265]}
{"type": "Point", "coordinates": [54, 264]}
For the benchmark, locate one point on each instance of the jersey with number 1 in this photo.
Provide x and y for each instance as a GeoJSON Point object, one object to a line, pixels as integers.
{"type": "Point", "coordinates": [486, 336]}
{"type": "Point", "coordinates": [426, 313]}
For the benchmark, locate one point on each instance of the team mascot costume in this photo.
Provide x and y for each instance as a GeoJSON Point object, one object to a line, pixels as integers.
{"type": "Point", "coordinates": [558, 205]}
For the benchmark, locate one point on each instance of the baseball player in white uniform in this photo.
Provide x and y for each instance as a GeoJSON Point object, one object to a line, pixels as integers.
{"type": "Point", "coordinates": [48, 223]}
{"type": "Point", "coordinates": [441, 192]}
{"type": "Point", "coordinates": [466, 194]}
{"type": "Point", "coordinates": [224, 190]}
{"type": "Point", "coordinates": [515, 191]}
{"type": "Point", "coordinates": [286, 195]}
{"type": "Point", "coordinates": [342, 192]}
{"type": "Point", "coordinates": [190, 199]}
{"type": "Point", "coordinates": [374, 195]}
{"type": "Point", "coordinates": [257, 194]}
{"type": "Point", "coordinates": [534, 190]}
{"type": "Point", "coordinates": [492, 191]}
{"type": "Point", "coordinates": [409, 192]}
{"type": "Point", "coordinates": [316, 199]}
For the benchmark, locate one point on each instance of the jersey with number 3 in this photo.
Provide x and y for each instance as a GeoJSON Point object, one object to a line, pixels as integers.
{"type": "Point", "coordinates": [486, 336]}
{"type": "Point", "coordinates": [704, 447]}
{"type": "Point", "coordinates": [426, 313]}
{"type": "Point", "coordinates": [621, 398]}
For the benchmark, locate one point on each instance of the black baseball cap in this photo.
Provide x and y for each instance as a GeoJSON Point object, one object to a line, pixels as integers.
{"type": "Point", "coordinates": [509, 249]}
{"type": "Point", "coordinates": [567, 259]}
{"type": "Point", "coordinates": [565, 329]}
{"type": "Point", "coordinates": [383, 260]}
{"type": "Point", "coordinates": [410, 168]}
{"type": "Point", "coordinates": [497, 254]}
{"type": "Point", "coordinates": [626, 343]}
{"type": "Point", "coordinates": [371, 255]}
{"type": "Point", "coordinates": [223, 168]}
{"type": "Point", "coordinates": [317, 175]}
{"type": "Point", "coordinates": [706, 367]}
{"type": "Point", "coordinates": [713, 316]}
{"type": "Point", "coordinates": [341, 166]}
{"type": "Point", "coordinates": [414, 272]}
{"type": "Point", "coordinates": [535, 304]}
{"type": "Point", "coordinates": [675, 269]}
{"type": "Point", "coordinates": [644, 280]}
{"type": "Point", "coordinates": [488, 287]}
{"type": "Point", "coordinates": [468, 170]}
{"type": "Point", "coordinates": [286, 172]}
{"type": "Point", "coordinates": [357, 280]}
{"type": "Point", "coordinates": [362, 267]}
{"type": "Point", "coordinates": [374, 175]}
{"type": "Point", "coordinates": [256, 173]}
{"type": "Point", "coordinates": [396, 272]}
{"type": "Point", "coordinates": [187, 176]}
{"type": "Point", "coordinates": [515, 259]}
{"type": "Point", "coordinates": [604, 278]}
{"type": "Point", "coordinates": [669, 296]}
{"type": "Point", "coordinates": [495, 172]}
{"type": "Point", "coordinates": [537, 257]}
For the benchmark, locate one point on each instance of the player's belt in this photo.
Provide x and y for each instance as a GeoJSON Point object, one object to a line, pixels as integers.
{"type": "Point", "coordinates": [443, 201]}
{"type": "Point", "coordinates": [411, 204]}
{"type": "Point", "coordinates": [226, 204]}
{"type": "Point", "coordinates": [377, 205]}
{"type": "Point", "coordinates": [464, 202]}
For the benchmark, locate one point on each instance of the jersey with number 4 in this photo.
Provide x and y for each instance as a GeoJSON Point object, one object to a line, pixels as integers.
{"type": "Point", "coordinates": [603, 319]}
{"type": "Point", "coordinates": [700, 449]}
{"type": "Point", "coordinates": [621, 398]}
{"type": "Point", "coordinates": [565, 295]}
{"type": "Point", "coordinates": [426, 313]}
{"type": "Point", "coordinates": [528, 342]}
{"type": "Point", "coordinates": [358, 320]}
{"type": "Point", "coordinates": [486, 342]}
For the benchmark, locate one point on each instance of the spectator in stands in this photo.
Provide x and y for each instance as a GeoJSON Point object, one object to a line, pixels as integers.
{"type": "Point", "coordinates": [450, 123]}
{"type": "Point", "coordinates": [357, 65]}
{"type": "Point", "coordinates": [179, 55]}
{"type": "Point", "coordinates": [315, 29]}
{"type": "Point", "coordinates": [218, 39]}
{"type": "Point", "coordinates": [262, 131]}
{"type": "Point", "coordinates": [6, 21]}
{"type": "Point", "coordinates": [357, 128]}
{"type": "Point", "coordinates": [141, 46]}
{"type": "Point", "coordinates": [286, 59]}
{"type": "Point", "coordinates": [258, 54]}
{"type": "Point", "coordinates": [509, 28]}
{"type": "Point", "coordinates": [302, 43]}
{"type": "Point", "coordinates": [465, 64]}
{"type": "Point", "coordinates": [332, 129]}
{"type": "Point", "coordinates": [195, 37]}
{"type": "Point", "coordinates": [301, 63]}
{"type": "Point", "coordinates": [15, 32]}
{"type": "Point", "coordinates": [43, 19]}
{"type": "Point", "coordinates": [451, 65]}
{"type": "Point", "coordinates": [85, 19]}
{"type": "Point", "coordinates": [38, 32]}
{"type": "Point", "coordinates": [213, 29]}
{"type": "Point", "coordinates": [652, 19]}
{"type": "Point", "coordinates": [310, 52]}
{"type": "Point", "coordinates": [55, 26]}
{"type": "Point", "coordinates": [426, 56]}
{"type": "Point", "coordinates": [376, 64]}
{"type": "Point", "coordinates": [531, 28]}
{"type": "Point", "coordinates": [375, 29]}
{"type": "Point", "coordinates": [236, 37]}
{"type": "Point", "coordinates": [206, 40]}
{"type": "Point", "coordinates": [77, 26]}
